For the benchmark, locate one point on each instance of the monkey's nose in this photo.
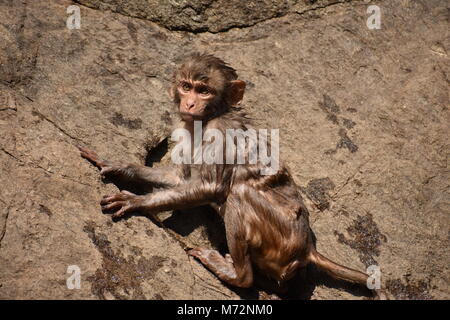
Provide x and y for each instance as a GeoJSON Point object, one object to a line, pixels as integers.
{"type": "Point", "coordinates": [190, 105]}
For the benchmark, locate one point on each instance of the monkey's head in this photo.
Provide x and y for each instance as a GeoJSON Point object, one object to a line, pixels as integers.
{"type": "Point", "coordinates": [205, 86]}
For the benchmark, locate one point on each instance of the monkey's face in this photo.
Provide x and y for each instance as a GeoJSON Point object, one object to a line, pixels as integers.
{"type": "Point", "coordinates": [195, 97]}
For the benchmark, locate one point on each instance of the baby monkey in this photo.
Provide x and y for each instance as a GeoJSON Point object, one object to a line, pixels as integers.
{"type": "Point", "coordinates": [266, 221]}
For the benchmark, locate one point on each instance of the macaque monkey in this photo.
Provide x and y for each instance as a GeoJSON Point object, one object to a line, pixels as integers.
{"type": "Point", "coordinates": [266, 222]}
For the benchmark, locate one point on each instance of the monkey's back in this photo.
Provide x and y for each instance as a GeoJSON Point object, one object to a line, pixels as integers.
{"type": "Point", "coordinates": [265, 211]}
{"type": "Point", "coordinates": [274, 223]}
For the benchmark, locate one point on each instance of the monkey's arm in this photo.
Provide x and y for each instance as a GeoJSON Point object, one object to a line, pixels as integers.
{"type": "Point", "coordinates": [181, 197]}
{"type": "Point", "coordinates": [169, 176]}
{"type": "Point", "coordinates": [164, 177]}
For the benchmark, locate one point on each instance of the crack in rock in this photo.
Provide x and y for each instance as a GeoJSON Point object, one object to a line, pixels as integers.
{"type": "Point", "coordinates": [210, 16]}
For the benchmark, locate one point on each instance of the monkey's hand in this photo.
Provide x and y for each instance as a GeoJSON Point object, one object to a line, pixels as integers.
{"type": "Point", "coordinates": [124, 201]}
{"type": "Point", "coordinates": [107, 167]}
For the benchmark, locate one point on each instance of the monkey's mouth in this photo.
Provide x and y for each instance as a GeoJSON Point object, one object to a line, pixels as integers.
{"type": "Point", "coordinates": [186, 116]}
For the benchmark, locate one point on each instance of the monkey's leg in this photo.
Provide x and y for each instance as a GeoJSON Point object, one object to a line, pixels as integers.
{"type": "Point", "coordinates": [224, 267]}
{"type": "Point", "coordinates": [163, 177]}
{"type": "Point", "coordinates": [235, 268]}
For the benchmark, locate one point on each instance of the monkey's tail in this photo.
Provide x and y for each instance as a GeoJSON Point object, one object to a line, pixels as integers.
{"type": "Point", "coordinates": [337, 271]}
{"type": "Point", "coordinates": [340, 272]}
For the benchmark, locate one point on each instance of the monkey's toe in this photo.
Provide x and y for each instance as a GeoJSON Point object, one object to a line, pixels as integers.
{"type": "Point", "coordinates": [194, 252]}
{"type": "Point", "coordinates": [197, 253]}
{"type": "Point", "coordinates": [228, 258]}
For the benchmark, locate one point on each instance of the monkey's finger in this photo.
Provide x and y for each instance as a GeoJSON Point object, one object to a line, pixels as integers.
{"type": "Point", "coordinates": [86, 151]}
{"type": "Point", "coordinates": [90, 155]}
{"type": "Point", "coordinates": [123, 195]}
{"type": "Point", "coordinates": [128, 193]}
{"type": "Point", "coordinates": [92, 158]}
{"type": "Point", "coordinates": [106, 170]}
{"type": "Point", "coordinates": [121, 212]}
{"type": "Point", "coordinates": [111, 198]}
{"type": "Point", "coordinates": [114, 205]}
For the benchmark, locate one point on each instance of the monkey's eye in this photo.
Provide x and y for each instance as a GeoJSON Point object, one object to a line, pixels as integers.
{"type": "Point", "coordinates": [186, 86]}
{"type": "Point", "coordinates": [204, 91]}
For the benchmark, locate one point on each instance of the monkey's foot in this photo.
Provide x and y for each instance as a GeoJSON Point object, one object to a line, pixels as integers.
{"type": "Point", "coordinates": [124, 202]}
{"type": "Point", "coordinates": [221, 266]}
{"type": "Point", "coordinates": [262, 295]}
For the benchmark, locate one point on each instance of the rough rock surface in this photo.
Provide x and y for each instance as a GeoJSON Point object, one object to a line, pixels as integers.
{"type": "Point", "coordinates": [363, 118]}
{"type": "Point", "coordinates": [207, 15]}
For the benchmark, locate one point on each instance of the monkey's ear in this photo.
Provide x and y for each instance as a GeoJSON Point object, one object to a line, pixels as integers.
{"type": "Point", "coordinates": [235, 92]}
{"type": "Point", "coordinates": [171, 92]}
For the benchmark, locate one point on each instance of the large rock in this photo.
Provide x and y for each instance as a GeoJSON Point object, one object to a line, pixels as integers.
{"type": "Point", "coordinates": [190, 15]}
{"type": "Point", "coordinates": [363, 118]}
{"type": "Point", "coordinates": [208, 15]}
